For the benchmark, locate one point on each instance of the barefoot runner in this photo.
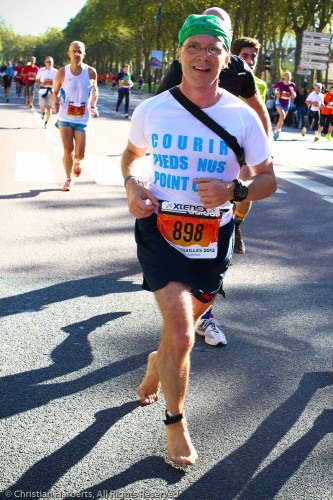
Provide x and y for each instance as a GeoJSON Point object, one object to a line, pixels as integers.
{"type": "Point", "coordinates": [184, 227]}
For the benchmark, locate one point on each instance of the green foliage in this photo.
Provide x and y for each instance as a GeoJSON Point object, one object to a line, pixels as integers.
{"type": "Point", "coordinates": [127, 30]}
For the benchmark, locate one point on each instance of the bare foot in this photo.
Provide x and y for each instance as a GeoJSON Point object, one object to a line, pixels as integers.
{"type": "Point", "coordinates": [180, 448]}
{"type": "Point", "coordinates": [149, 388]}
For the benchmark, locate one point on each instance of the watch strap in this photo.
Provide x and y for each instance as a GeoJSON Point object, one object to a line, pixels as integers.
{"type": "Point", "coordinates": [230, 140]}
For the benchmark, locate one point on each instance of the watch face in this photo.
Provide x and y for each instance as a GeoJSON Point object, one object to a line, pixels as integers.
{"type": "Point", "coordinates": [240, 191]}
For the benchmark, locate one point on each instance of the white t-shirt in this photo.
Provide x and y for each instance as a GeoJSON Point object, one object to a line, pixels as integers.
{"type": "Point", "coordinates": [46, 76]}
{"type": "Point", "coordinates": [317, 100]}
{"type": "Point", "coordinates": [182, 148]}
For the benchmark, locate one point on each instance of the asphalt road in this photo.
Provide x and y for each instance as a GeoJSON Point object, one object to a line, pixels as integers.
{"type": "Point", "coordinates": [76, 328]}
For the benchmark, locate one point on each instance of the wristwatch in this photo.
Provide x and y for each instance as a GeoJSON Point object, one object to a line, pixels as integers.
{"type": "Point", "coordinates": [241, 190]}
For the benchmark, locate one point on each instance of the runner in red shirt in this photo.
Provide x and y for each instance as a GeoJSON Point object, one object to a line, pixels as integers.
{"type": "Point", "coordinates": [101, 79]}
{"type": "Point", "coordinates": [326, 114]}
{"type": "Point", "coordinates": [18, 77]}
{"type": "Point", "coordinates": [29, 73]}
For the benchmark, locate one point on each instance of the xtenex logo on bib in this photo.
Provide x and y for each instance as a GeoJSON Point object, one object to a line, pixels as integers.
{"type": "Point", "coordinates": [180, 208]}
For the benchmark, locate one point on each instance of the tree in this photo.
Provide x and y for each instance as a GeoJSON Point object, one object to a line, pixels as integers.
{"type": "Point", "coordinates": [307, 13]}
{"type": "Point", "coordinates": [128, 30]}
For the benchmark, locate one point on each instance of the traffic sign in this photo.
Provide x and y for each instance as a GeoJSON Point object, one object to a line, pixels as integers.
{"type": "Point", "coordinates": [308, 39]}
{"type": "Point", "coordinates": [316, 34]}
{"type": "Point", "coordinates": [306, 72]}
{"type": "Point", "coordinates": [320, 49]}
{"type": "Point", "coordinates": [314, 51]}
{"type": "Point", "coordinates": [312, 65]}
{"type": "Point", "coordinates": [314, 57]}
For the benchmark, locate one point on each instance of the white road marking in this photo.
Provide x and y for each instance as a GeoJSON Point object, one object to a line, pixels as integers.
{"type": "Point", "coordinates": [105, 171]}
{"type": "Point", "coordinates": [304, 182]}
{"type": "Point", "coordinates": [328, 198]}
{"type": "Point", "coordinates": [58, 150]}
{"type": "Point", "coordinates": [324, 172]}
{"type": "Point", "coordinates": [33, 167]}
{"type": "Point", "coordinates": [49, 136]}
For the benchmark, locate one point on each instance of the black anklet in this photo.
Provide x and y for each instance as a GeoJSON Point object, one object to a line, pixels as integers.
{"type": "Point", "coordinates": [172, 419]}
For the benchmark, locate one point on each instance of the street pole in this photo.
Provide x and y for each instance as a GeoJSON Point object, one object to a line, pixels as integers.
{"type": "Point", "coordinates": [159, 20]}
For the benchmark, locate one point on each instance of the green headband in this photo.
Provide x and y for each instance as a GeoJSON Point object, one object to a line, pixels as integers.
{"type": "Point", "coordinates": [205, 25]}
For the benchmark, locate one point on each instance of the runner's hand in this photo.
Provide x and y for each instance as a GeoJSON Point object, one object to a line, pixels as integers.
{"type": "Point", "coordinates": [214, 192]}
{"type": "Point", "coordinates": [94, 112]}
{"type": "Point", "coordinates": [141, 202]}
{"type": "Point", "coordinates": [56, 107]}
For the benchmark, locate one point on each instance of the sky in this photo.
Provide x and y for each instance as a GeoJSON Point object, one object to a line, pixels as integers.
{"type": "Point", "coordinates": [33, 17]}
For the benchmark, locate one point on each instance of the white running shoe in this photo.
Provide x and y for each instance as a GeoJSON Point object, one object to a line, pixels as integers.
{"type": "Point", "coordinates": [68, 185]}
{"type": "Point", "coordinates": [303, 131]}
{"type": "Point", "coordinates": [213, 335]}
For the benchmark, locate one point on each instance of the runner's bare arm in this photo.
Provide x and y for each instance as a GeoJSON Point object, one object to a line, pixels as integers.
{"type": "Point", "coordinates": [141, 202]}
{"type": "Point", "coordinates": [58, 80]}
{"type": "Point", "coordinates": [94, 97]}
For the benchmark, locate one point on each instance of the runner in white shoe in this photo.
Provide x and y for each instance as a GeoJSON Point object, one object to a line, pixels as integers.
{"type": "Point", "coordinates": [284, 91]}
{"type": "Point", "coordinates": [208, 327]}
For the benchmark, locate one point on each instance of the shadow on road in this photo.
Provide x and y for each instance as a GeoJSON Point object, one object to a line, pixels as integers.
{"type": "Point", "coordinates": [97, 286]}
{"type": "Point", "coordinates": [148, 468]}
{"type": "Point", "coordinates": [25, 391]}
{"type": "Point", "coordinates": [28, 194]}
{"type": "Point", "coordinates": [232, 477]}
{"type": "Point", "coordinates": [45, 473]}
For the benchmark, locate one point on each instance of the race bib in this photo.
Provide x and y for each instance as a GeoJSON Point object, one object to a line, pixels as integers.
{"type": "Point", "coordinates": [190, 229]}
{"type": "Point", "coordinates": [48, 83]}
{"type": "Point", "coordinates": [285, 94]}
{"type": "Point", "coordinates": [76, 110]}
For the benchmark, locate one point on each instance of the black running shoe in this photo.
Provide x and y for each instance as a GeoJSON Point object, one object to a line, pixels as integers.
{"type": "Point", "coordinates": [239, 246]}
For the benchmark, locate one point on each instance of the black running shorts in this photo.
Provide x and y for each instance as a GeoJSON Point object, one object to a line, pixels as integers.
{"type": "Point", "coordinates": [161, 263]}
